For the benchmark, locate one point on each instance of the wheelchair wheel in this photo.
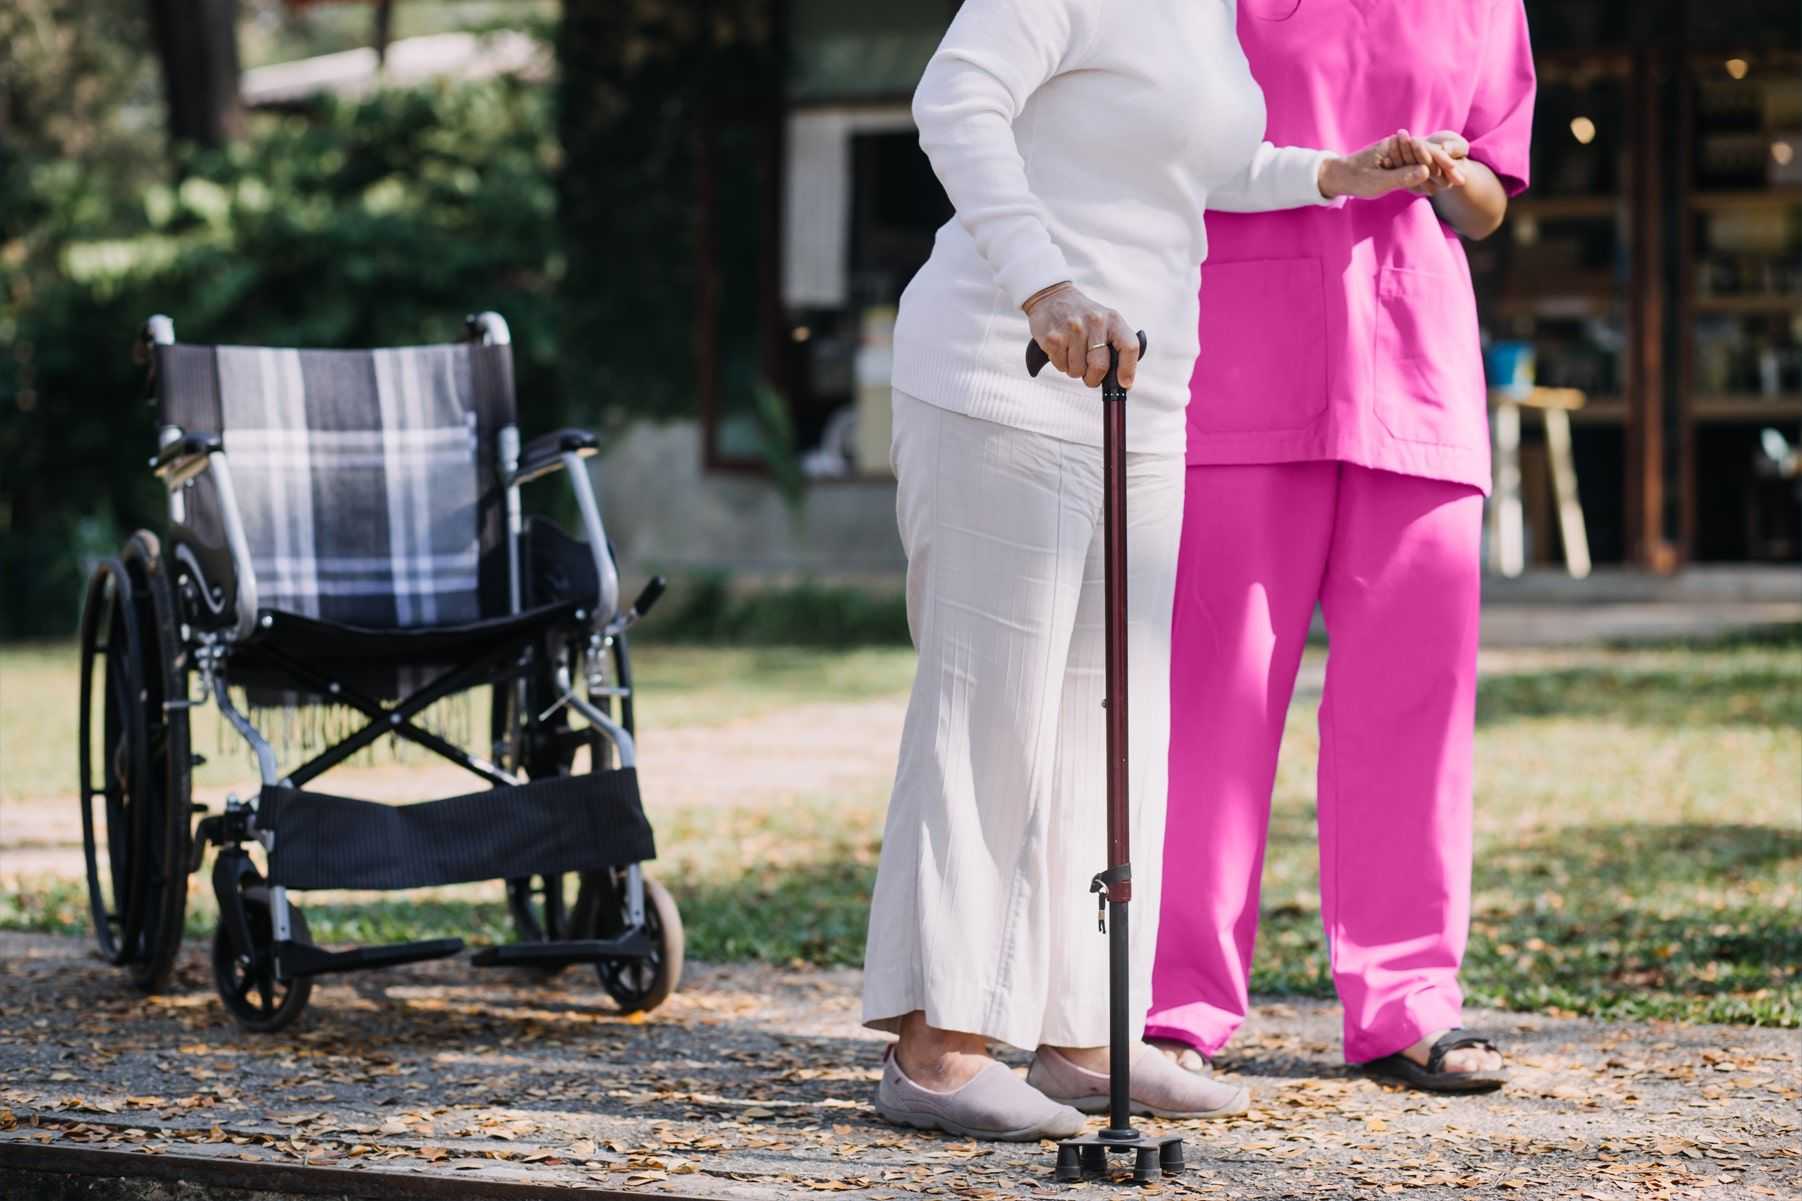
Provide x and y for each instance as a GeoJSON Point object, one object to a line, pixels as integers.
{"type": "Point", "coordinates": [135, 763]}
{"type": "Point", "coordinates": [257, 1001]}
{"type": "Point", "coordinates": [636, 985]}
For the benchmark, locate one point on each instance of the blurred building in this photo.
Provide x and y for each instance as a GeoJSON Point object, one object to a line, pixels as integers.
{"type": "Point", "coordinates": [1656, 265]}
{"type": "Point", "coordinates": [409, 62]}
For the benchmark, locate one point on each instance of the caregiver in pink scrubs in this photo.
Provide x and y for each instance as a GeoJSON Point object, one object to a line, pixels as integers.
{"type": "Point", "coordinates": [1338, 453]}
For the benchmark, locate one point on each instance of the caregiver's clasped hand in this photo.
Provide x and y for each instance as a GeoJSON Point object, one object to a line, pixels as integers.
{"type": "Point", "coordinates": [1397, 161]}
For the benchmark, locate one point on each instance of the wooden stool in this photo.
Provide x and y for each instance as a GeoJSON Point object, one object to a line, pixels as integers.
{"type": "Point", "coordinates": [1507, 547]}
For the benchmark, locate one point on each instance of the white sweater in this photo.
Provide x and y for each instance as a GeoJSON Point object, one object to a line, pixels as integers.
{"type": "Point", "coordinates": [1082, 140]}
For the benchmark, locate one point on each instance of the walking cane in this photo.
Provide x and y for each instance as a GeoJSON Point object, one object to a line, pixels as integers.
{"type": "Point", "coordinates": [1155, 1154]}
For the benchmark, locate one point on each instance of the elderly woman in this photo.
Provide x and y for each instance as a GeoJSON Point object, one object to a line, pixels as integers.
{"type": "Point", "coordinates": [1080, 144]}
{"type": "Point", "coordinates": [1338, 454]}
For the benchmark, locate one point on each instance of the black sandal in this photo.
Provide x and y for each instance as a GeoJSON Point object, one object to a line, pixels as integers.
{"type": "Point", "coordinates": [1433, 1078]}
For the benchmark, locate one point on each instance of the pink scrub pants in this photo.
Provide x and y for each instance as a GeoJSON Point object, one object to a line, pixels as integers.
{"type": "Point", "coordinates": [1393, 561]}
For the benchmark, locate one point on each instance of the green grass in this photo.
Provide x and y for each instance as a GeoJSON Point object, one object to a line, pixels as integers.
{"type": "Point", "coordinates": [1639, 839]}
{"type": "Point", "coordinates": [1639, 834]}
{"type": "Point", "coordinates": [679, 686]}
{"type": "Point", "coordinates": [786, 886]}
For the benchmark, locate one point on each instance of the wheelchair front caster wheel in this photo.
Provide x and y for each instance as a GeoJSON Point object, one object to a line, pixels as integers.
{"type": "Point", "coordinates": [638, 985]}
{"type": "Point", "coordinates": [257, 1001]}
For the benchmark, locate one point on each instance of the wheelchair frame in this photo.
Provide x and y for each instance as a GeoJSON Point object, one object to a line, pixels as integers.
{"type": "Point", "coordinates": [623, 923]}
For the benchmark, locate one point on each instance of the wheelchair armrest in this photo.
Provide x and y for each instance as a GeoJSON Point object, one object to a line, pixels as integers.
{"type": "Point", "coordinates": [566, 448]}
{"type": "Point", "coordinates": [186, 455]}
{"type": "Point", "coordinates": [183, 457]}
{"type": "Point", "coordinates": [544, 454]}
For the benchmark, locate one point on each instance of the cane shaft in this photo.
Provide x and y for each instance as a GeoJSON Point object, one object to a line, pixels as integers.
{"type": "Point", "coordinates": [1113, 451]}
{"type": "Point", "coordinates": [1119, 853]}
{"type": "Point", "coordinates": [1119, 976]}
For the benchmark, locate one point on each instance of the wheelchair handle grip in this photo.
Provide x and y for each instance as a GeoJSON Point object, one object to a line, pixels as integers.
{"type": "Point", "coordinates": [1036, 358]}
{"type": "Point", "coordinates": [652, 593]}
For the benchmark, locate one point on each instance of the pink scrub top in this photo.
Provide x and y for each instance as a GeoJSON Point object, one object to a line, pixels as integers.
{"type": "Point", "coordinates": [1350, 333]}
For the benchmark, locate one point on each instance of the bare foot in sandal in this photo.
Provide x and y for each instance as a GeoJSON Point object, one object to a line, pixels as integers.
{"type": "Point", "coordinates": [1479, 1057]}
{"type": "Point", "coordinates": [1182, 1055]}
{"type": "Point", "coordinates": [1448, 1061]}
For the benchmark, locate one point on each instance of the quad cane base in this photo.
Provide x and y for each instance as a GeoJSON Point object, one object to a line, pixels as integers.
{"type": "Point", "coordinates": [1154, 1155]}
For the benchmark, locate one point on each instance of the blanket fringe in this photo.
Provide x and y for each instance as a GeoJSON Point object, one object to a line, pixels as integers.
{"type": "Point", "coordinates": [299, 729]}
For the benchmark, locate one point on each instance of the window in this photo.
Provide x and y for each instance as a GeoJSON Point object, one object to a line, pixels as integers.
{"type": "Point", "coordinates": [816, 230]}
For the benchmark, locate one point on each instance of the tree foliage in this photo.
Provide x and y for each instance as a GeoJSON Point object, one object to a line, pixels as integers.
{"type": "Point", "coordinates": [379, 223]}
{"type": "Point", "coordinates": [571, 210]}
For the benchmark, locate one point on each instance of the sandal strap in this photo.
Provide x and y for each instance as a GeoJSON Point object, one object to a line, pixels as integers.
{"type": "Point", "coordinates": [1455, 1039]}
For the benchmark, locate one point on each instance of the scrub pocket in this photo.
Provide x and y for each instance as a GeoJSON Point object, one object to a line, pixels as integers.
{"type": "Point", "coordinates": [1428, 376]}
{"type": "Point", "coordinates": [1262, 366]}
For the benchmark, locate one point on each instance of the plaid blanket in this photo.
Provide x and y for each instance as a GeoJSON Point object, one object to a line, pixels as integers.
{"type": "Point", "coordinates": [360, 474]}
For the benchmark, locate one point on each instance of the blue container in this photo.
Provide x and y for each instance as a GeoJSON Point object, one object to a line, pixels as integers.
{"type": "Point", "coordinates": [1509, 366]}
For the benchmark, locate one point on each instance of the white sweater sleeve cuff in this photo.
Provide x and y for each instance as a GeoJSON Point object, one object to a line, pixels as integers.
{"type": "Point", "coordinates": [1293, 178]}
{"type": "Point", "coordinates": [1283, 177]}
{"type": "Point", "coordinates": [1306, 165]}
{"type": "Point", "coordinates": [1032, 268]}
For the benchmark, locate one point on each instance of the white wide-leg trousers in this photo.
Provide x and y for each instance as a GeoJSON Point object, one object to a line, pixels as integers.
{"type": "Point", "coordinates": [982, 915]}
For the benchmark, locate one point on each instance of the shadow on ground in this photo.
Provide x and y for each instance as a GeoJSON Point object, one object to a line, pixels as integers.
{"type": "Point", "coordinates": [1685, 921]}
{"type": "Point", "coordinates": [1754, 680]}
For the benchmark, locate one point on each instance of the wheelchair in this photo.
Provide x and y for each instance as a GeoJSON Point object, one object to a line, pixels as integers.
{"type": "Point", "coordinates": [346, 533]}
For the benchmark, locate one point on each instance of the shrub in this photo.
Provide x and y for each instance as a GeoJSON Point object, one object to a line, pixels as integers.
{"type": "Point", "coordinates": [376, 223]}
{"type": "Point", "coordinates": [709, 610]}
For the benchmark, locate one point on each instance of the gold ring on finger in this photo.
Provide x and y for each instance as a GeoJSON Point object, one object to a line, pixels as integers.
{"type": "Point", "coordinates": [1097, 345]}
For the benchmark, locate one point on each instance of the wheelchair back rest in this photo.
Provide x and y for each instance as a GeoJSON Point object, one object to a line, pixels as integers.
{"type": "Point", "coordinates": [365, 479]}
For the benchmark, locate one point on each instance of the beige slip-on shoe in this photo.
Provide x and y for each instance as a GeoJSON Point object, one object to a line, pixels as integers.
{"type": "Point", "coordinates": [996, 1104]}
{"type": "Point", "coordinates": [1159, 1087]}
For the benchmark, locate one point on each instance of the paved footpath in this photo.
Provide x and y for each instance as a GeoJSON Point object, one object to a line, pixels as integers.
{"type": "Point", "coordinates": [754, 1083]}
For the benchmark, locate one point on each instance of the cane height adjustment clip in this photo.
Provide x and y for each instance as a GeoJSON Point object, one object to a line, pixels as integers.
{"type": "Point", "coordinates": [1114, 884]}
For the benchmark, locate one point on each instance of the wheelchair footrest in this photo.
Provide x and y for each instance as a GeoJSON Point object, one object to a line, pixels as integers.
{"type": "Point", "coordinates": [637, 945]}
{"type": "Point", "coordinates": [300, 959]}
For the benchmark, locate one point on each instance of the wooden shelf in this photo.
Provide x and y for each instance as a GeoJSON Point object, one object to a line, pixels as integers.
{"type": "Point", "coordinates": [1749, 198]}
{"type": "Point", "coordinates": [1601, 410]}
{"type": "Point", "coordinates": [1557, 63]}
{"type": "Point", "coordinates": [1560, 302]}
{"type": "Point", "coordinates": [1745, 406]}
{"type": "Point", "coordinates": [1767, 63]}
{"type": "Point", "coordinates": [1775, 303]}
{"type": "Point", "coordinates": [1612, 410]}
{"type": "Point", "coordinates": [1555, 207]}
